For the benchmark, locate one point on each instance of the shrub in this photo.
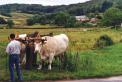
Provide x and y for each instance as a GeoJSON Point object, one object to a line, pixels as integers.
{"type": "Point", "coordinates": [6, 14]}
{"type": "Point", "coordinates": [2, 21]}
{"type": "Point", "coordinates": [10, 23]}
{"type": "Point", "coordinates": [71, 61]}
{"type": "Point", "coordinates": [103, 41]}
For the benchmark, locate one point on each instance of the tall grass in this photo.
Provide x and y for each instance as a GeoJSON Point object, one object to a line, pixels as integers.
{"type": "Point", "coordinates": [76, 65]}
{"type": "Point", "coordinates": [78, 39]}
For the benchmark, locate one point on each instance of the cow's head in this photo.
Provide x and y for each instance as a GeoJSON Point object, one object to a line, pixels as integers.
{"type": "Point", "coordinates": [39, 43]}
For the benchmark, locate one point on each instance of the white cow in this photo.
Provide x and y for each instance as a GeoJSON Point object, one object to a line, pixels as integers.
{"type": "Point", "coordinates": [53, 46]}
{"type": "Point", "coordinates": [23, 47]}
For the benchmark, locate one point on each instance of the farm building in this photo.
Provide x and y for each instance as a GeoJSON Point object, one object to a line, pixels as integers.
{"type": "Point", "coordinates": [82, 18]}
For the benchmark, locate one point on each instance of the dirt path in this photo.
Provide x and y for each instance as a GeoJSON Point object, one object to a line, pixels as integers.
{"type": "Point", "coordinates": [110, 79]}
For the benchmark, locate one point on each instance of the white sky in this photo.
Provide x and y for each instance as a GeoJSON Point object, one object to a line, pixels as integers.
{"type": "Point", "coordinates": [43, 2]}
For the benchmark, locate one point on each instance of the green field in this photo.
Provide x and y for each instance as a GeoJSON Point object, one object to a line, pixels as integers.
{"type": "Point", "coordinates": [79, 39]}
{"type": "Point", "coordinates": [83, 60]}
{"type": "Point", "coordinates": [90, 63]}
{"type": "Point", "coordinates": [93, 63]}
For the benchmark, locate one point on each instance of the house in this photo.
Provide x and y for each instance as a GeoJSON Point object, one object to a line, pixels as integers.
{"type": "Point", "coordinates": [93, 20]}
{"type": "Point", "coordinates": [82, 18]}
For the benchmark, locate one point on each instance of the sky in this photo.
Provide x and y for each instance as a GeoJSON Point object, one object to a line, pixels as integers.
{"type": "Point", "coordinates": [43, 2]}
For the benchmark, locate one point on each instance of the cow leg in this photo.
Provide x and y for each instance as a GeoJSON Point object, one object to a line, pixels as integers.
{"type": "Point", "coordinates": [24, 59]}
{"type": "Point", "coordinates": [40, 65]}
{"type": "Point", "coordinates": [61, 57]}
{"type": "Point", "coordinates": [50, 60]}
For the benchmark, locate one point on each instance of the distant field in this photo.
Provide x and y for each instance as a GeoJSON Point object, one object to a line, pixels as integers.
{"type": "Point", "coordinates": [20, 21]}
{"type": "Point", "coordinates": [18, 18]}
{"type": "Point", "coordinates": [79, 39]}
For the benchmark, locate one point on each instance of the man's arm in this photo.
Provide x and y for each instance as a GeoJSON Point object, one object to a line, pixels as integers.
{"type": "Point", "coordinates": [7, 49]}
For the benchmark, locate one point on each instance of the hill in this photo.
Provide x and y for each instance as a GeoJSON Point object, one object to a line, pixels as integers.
{"type": "Point", "coordinates": [74, 9]}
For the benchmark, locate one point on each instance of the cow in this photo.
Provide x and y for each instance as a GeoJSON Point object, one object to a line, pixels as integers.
{"type": "Point", "coordinates": [21, 38]}
{"type": "Point", "coordinates": [50, 46]}
{"type": "Point", "coordinates": [27, 48]}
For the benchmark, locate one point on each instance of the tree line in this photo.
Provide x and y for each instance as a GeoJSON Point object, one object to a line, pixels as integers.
{"type": "Point", "coordinates": [73, 9]}
{"type": "Point", "coordinates": [108, 11]}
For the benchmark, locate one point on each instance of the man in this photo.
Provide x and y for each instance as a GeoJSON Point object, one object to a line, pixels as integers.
{"type": "Point", "coordinates": [31, 57]}
{"type": "Point", "coordinates": [13, 49]}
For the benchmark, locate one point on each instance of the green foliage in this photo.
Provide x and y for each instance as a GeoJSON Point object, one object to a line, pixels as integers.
{"type": "Point", "coordinates": [91, 6]}
{"type": "Point", "coordinates": [64, 19]}
{"type": "Point", "coordinates": [105, 5]}
{"type": "Point", "coordinates": [10, 23]}
{"type": "Point", "coordinates": [2, 21]}
{"type": "Point", "coordinates": [91, 15]}
{"type": "Point", "coordinates": [5, 14]}
{"type": "Point", "coordinates": [30, 21]}
{"type": "Point", "coordinates": [60, 19]}
{"type": "Point", "coordinates": [93, 63]}
{"type": "Point", "coordinates": [85, 24]}
{"type": "Point", "coordinates": [103, 41]}
{"type": "Point", "coordinates": [112, 17]}
{"type": "Point", "coordinates": [119, 4]}
{"type": "Point", "coordinates": [40, 19]}
{"type": "Point", "coordinates": [68, 62]}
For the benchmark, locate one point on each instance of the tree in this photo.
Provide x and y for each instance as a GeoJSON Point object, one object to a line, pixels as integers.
{"type": "Point", "coordinates": [106, 5]}
{"type": "Point", "coordinates": [40, 19]}
{"type": "Point", "coordinates": [64, 19]}
{"type": "Point", "coordinates": [112, 17]}
{"type": "Point", "coordinates": [2, 21]}
{"type": "Point", "coordinates": [10, 23]}
{"type": "Point", "coordinates": [71, 22]}
{"type": "Point", "coordinates": [119, 4]}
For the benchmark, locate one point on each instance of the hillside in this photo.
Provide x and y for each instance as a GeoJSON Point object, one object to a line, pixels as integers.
{"type": "Point", "coordinates": [74, 9]}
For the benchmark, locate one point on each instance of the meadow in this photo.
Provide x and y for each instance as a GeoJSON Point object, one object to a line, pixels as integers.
{"type": "Point", "coordinates": [79, 39]}
{"type": "Point", "coordinates": [82, 60]}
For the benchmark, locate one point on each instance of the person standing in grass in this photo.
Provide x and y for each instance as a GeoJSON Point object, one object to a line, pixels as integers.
{"type": "Point", "coordinates": [13, 49]}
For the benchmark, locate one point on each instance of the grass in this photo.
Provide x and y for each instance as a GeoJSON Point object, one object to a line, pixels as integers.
{"type": "Point", "coordinates": [79, 40]}
{"type": "Point", "coordinates": [93, 63]}
{"type": "Point", "coordinates": [85, 61]}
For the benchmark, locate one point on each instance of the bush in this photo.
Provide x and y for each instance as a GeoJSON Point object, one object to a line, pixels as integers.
{"type": "Point", "coordinates": [2, 21]}
{"type": "Point", "coordinates": [10, 23]}
{"type": "Point", "coordinates": [6, 14]}
{"type": "Point", "coordinates": [71, 61]}
{"type": "Point", "coordinates": [103, 41]}
{"type": "Point", "coordinates": [83, 24]}
{"type": "Point", "coordinates": [30, 21]}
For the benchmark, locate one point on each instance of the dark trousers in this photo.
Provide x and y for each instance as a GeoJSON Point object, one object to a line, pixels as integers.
{"type": "Point", "coordinates": [14, 59]}
{"type": "Point", "coordinates": [31, 57]}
